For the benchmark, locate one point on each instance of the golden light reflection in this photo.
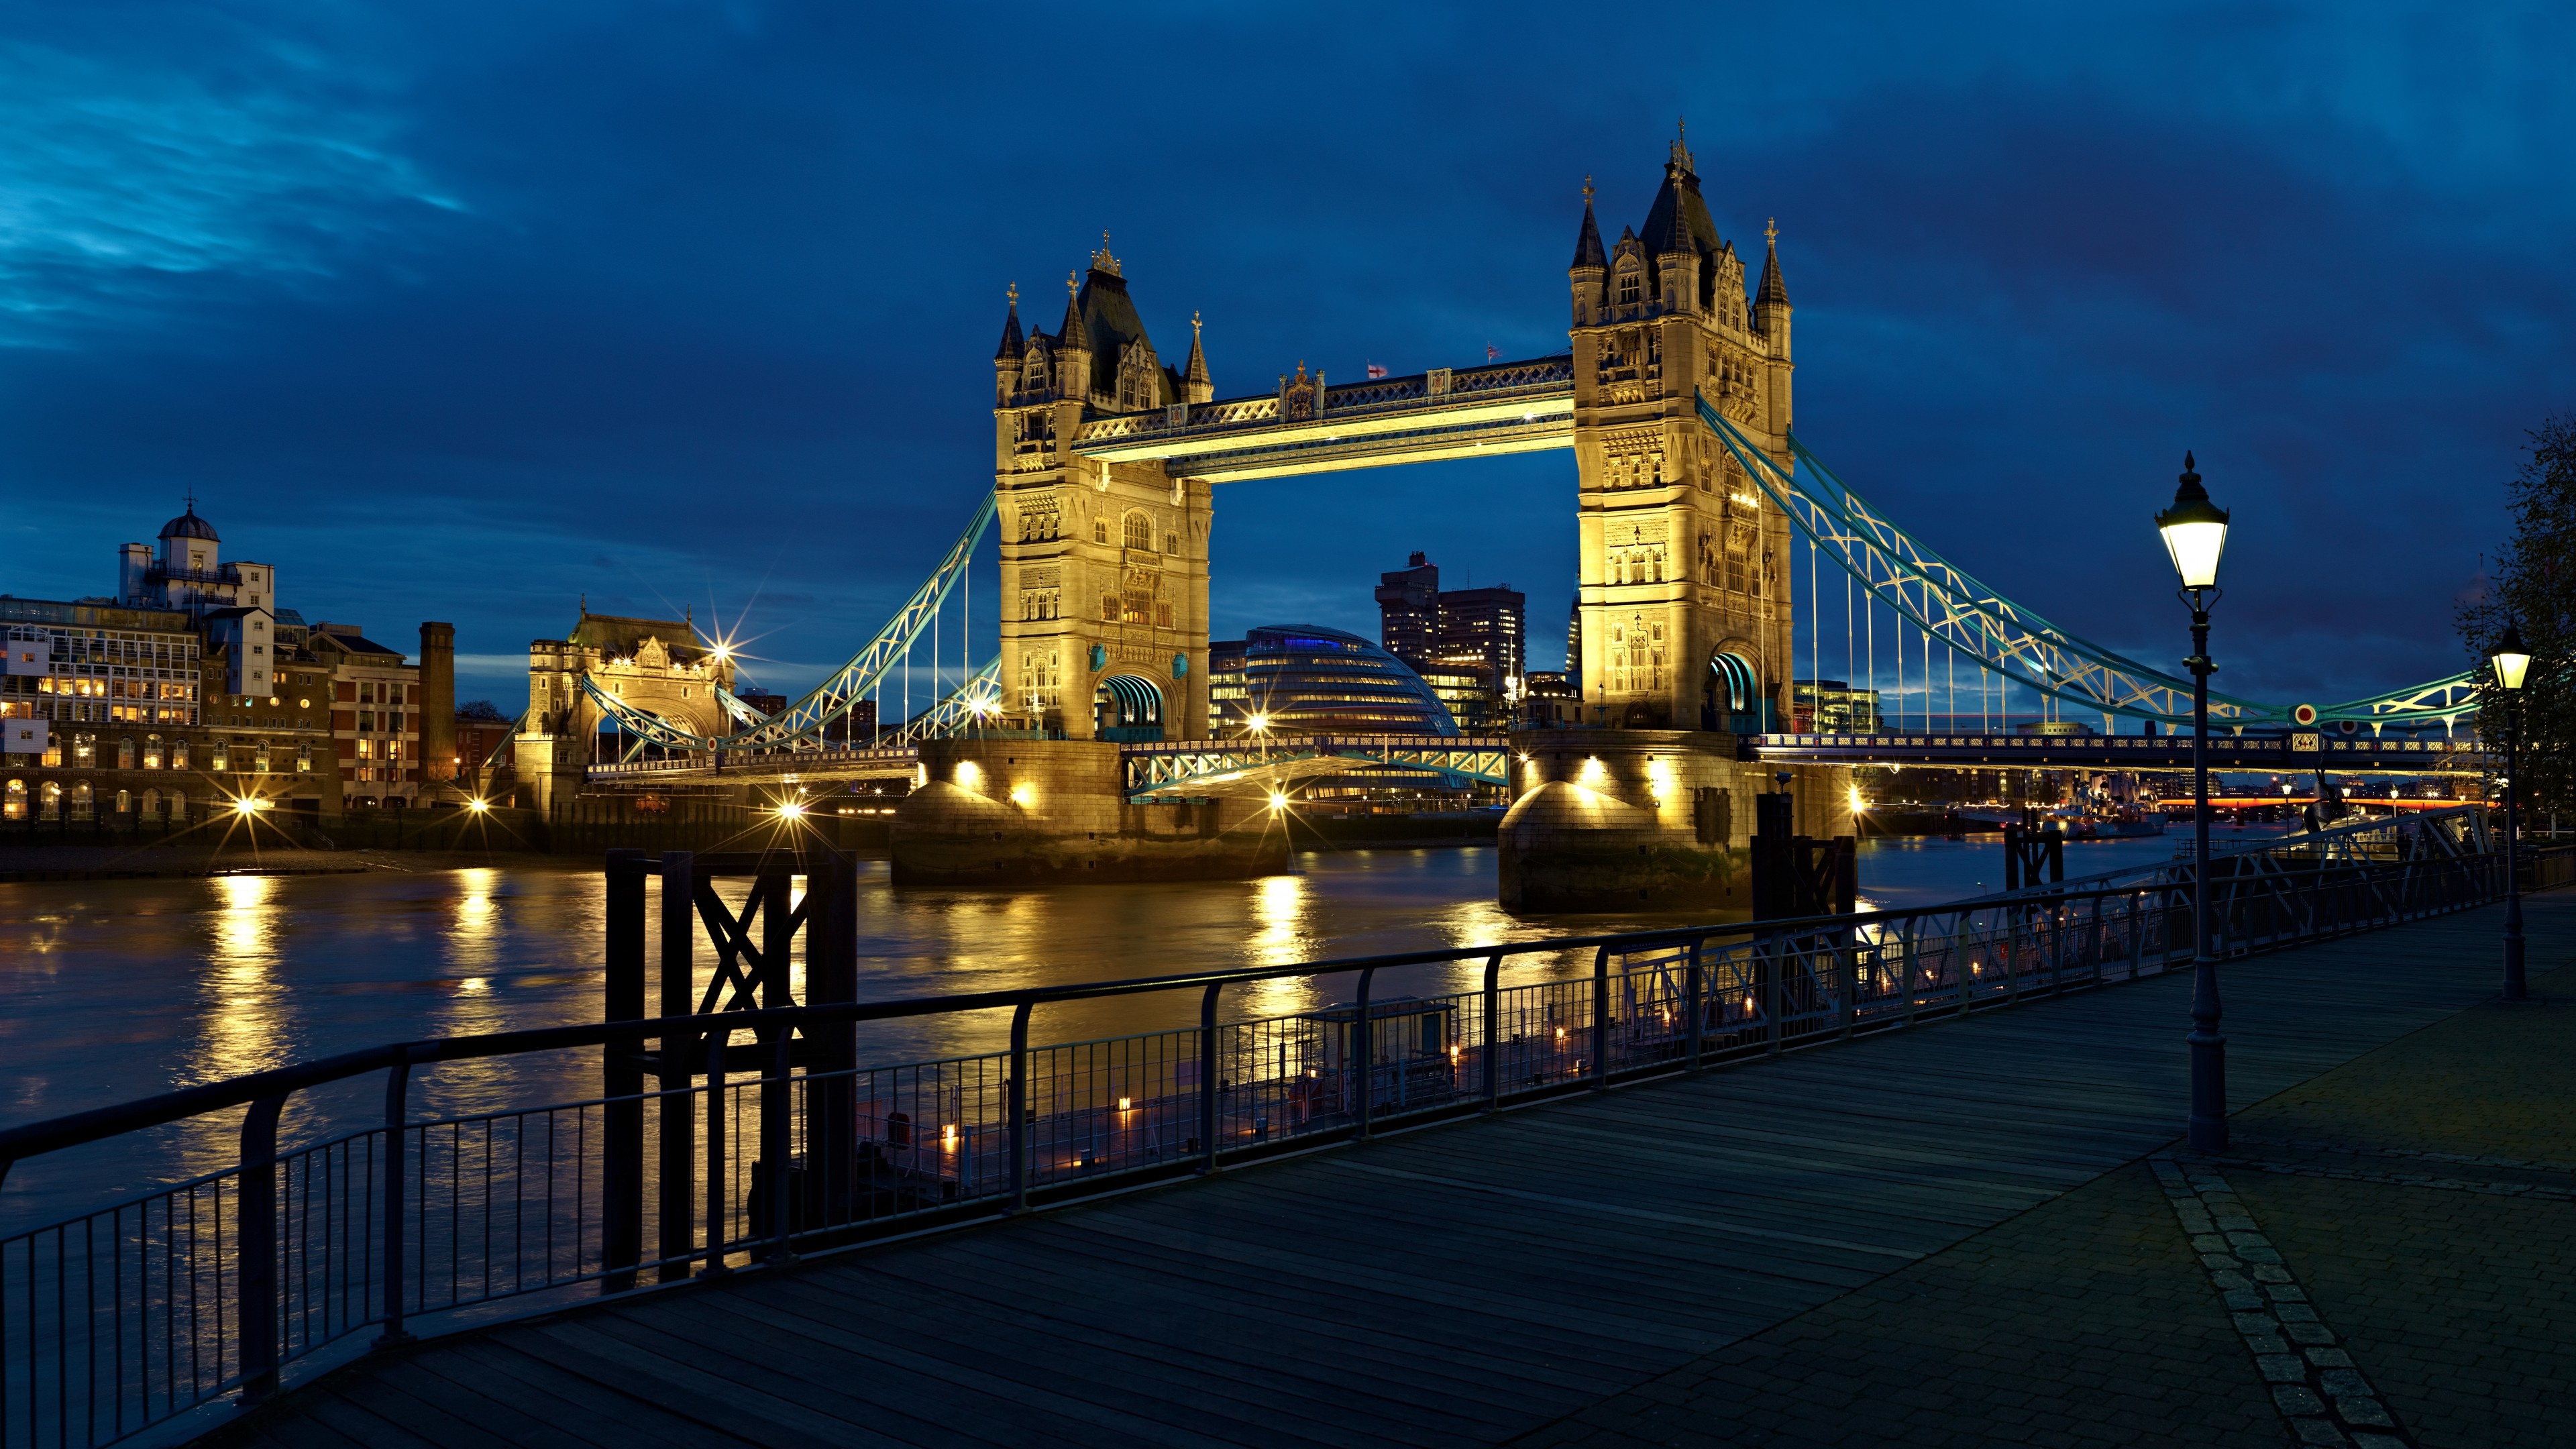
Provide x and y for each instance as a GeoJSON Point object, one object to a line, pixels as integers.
{"type": "Point", "coordinates": [474, 929]}
{"type": "Point", "coordinates": [1279, 937]}
{"type": "Point", "coordinates": [243, 1019]}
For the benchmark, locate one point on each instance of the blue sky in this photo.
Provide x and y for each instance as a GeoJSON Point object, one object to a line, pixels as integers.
{"type": "Point", "coordinates": [466, 311]}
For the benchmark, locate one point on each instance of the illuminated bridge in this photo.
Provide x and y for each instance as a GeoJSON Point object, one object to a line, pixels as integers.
{"type": "Point", "coordinates": [1722, 562]}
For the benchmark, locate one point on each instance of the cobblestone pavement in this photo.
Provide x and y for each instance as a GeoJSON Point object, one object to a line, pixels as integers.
{"type": "Point", "coordinates": [2417, 1201]}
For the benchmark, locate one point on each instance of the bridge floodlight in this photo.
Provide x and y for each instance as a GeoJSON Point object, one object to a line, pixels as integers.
{"type": "Point", "coordinates": [2195, 531]}
{"type": "Point", "coordinates": [478, 806]}
{"type": "Point", "coordinates": [2510, 658]}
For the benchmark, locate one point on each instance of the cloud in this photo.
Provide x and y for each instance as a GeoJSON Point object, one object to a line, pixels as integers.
{"type": "Point", "coordinates": [122, 181]}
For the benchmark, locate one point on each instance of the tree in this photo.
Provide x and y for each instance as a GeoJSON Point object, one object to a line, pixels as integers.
{"type": "Point", "coordinates": [2532, 584]}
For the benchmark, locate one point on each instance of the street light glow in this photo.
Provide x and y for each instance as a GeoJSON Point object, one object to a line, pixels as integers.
{"type": "Point", "coordinates": [478, 806]}
{"type": "Point", "coordinates": [1258, 723]}
{"type": "Point", "coordinates": [2195, 531]}
{"type": "Point", "coordinates": [2511, 660]}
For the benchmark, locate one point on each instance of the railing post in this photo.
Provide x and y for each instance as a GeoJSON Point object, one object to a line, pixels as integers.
{"type": "Point", "coordinates": [397, 1114]}
{"type": "Point", "coordinates": [1775, 968]}
{"type": "Point", "coordinates": [1695, 1001]}
{"type": "Point", "coordinates": [1207, 1077]}
{"type": "Point", "coordinates": [1600, 1017]}
{"type": "Point", "coordinates": [621, 1190]}
{"type": "Point", "coordinates": [1906, 935]}
{"type": "Point", "coordinates": [1491, 1062]}
{"type": "Point", "coordinates": [255, 1243]}
{"type": "Point", "coordinates": [1017, 1137]}
{"type": "Point", "coordinates": [716, 1041]}
{"type": "Point", "coordinates": [1847, 985]}
{"type": "Point", "coordinates": [774, 1146]}
{"type": "Point", "coordinates": [1363, 1047]}
{"type": "Point", "coordinates": [679, 1124]}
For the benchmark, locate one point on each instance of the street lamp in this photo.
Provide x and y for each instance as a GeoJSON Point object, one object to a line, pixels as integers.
{"type": "Point", "coordinates": [2511, 662]}
{"type": "Point", "coordinates": [2195, 534]}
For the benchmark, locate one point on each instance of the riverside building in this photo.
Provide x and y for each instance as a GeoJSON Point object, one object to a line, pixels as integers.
{"type": "Point", "coordinates": [188, 689]}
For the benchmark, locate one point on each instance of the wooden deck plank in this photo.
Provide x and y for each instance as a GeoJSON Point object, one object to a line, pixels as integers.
{"type": "Point", "coordinates": [556, 1395]}
{"type": "Point", "coordinates": [583, 1345]}
{"type": "Point", "coordinates": [1194, 1393]}
{"type": "Point", "coordinates": [760, 1353]}
{"type": "Point", "coordinates": [1275, 1333]}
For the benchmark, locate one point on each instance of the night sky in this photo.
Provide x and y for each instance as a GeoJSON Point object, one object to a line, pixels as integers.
{"type": "Point", "coordinates": [463, 311]}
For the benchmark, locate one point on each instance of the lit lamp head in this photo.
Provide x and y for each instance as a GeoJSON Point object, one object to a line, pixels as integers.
{"type": "Point", "coordinates": [478, 806]}
{"type": "Point", "coordinates": [2195, 531]}
{"type": "Point", "coordinates": [2510, 658]}
{"type": "Point", "coordinates": [1259, 723]}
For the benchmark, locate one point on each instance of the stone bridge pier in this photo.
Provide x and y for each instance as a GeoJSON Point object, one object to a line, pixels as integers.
{"type": "Point", "coordinates": [1613, 820]}
{"type": "Point", "coordinates": [1019, 812]}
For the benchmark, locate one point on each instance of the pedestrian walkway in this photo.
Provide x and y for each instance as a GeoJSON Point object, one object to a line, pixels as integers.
{"type": "Point", "coordinates": [1950, 1236]}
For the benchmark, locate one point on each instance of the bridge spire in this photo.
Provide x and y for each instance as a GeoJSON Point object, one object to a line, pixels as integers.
{"type": "Point", "coordinates": [1196, 385]}
{"type": "Point", "coordinates": [1587, 242]}
{"type": "Point", "coordinates": [1014, 343]}
{"type": "Point", "coordinates": [1773, 291]}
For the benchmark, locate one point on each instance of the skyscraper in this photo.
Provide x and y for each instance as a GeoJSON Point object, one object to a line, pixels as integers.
{"type": "Point", "coordinates": [1422, 624]}
{"type": "Point", "coordinates": [1408, 607]}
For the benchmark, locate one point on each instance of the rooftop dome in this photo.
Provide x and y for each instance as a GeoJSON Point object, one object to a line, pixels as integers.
{"type": "Point", "coordinates": [189, 525]}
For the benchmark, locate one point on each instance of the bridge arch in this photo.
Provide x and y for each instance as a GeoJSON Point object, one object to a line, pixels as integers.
{"type": "Point", "coordinates": [1128, 707]}
{"type": "Point", "coordinates": [1732, 692]}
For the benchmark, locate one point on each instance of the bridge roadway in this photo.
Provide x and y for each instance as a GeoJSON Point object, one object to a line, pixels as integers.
{"type": "Point", "coordinates": [2297, 751]}
{"type": "Point", "coordinates": [1461, 1284]}
{"type": "Point", "coordinates": [1175, 768]}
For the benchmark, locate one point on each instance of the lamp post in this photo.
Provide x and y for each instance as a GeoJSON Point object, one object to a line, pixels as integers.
{"type": "Point", "coordinates": [2511, 661]}
{"type": "Point", "coordinates": [2195, 534]}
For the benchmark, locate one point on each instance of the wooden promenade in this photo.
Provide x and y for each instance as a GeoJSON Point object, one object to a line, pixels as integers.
{"type": "Point", "coordinates": [1461, 1284]}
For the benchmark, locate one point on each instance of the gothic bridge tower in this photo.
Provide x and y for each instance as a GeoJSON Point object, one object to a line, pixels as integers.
{"type": "Point", "coordinates": [1685, 598]}
{"type": "Point", "coordinates": [1104, 565]}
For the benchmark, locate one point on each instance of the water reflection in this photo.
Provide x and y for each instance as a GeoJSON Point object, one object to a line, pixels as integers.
{"type": "Point", "coordinates": [243, 1016]}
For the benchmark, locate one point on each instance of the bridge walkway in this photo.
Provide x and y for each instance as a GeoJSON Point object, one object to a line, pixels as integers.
{"type": "Point", "coordinates": [1469, 1283]}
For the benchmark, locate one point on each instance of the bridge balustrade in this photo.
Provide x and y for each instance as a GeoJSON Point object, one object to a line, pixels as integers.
{"type": "Point", "coordinates": [169, 1299]}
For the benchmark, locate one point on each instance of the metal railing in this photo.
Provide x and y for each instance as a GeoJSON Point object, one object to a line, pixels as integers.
{"type": "Point", "coordinates": [118, 1318]}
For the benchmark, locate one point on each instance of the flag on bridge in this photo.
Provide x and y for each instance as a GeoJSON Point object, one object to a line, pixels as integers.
{"type": "Point", "coordinates": [1492, 352]}
{"type": "Point", "coordinates": [1375, 370]}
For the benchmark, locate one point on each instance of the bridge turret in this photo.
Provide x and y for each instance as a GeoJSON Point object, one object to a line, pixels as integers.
{"type": "Point", "coordinates": [1073, 346]}
{"type": "Point", "coordinates": [1590, 270]}
{"type": "Point", "coordinates": [1012, 355]}
{"type": "Point", "coordinates": [1771, 301]}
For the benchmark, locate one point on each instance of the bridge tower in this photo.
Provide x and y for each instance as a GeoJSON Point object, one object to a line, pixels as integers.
{"type": "Point", "coordinates": [1104, 565]}
{"type": "Point", "coordinates": [1685, 586]}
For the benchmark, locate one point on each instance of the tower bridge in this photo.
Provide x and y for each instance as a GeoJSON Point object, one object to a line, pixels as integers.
{"type": "Point", "coordinates": [1692, 500]}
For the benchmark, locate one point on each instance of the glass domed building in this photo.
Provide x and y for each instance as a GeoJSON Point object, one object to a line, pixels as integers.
{"type": "Point", "coordinates": [1305, 680]}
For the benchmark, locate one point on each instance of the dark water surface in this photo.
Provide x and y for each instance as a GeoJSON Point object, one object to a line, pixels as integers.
{"type": "Point", "coordinates": [121, 989]}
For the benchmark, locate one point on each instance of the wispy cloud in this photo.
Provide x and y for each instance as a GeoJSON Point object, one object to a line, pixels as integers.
{"type": "Point", "coordinates": [120, 181]}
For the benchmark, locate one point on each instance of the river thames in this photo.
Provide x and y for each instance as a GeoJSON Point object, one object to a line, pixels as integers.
{"type": "Point", "coordinates": [122, 989]}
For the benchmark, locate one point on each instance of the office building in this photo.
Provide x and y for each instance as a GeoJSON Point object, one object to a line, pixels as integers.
{"type": "Point", "coordinates": [1831, 706]}
{"type": "Point", "coordinates": [1454, 634]}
